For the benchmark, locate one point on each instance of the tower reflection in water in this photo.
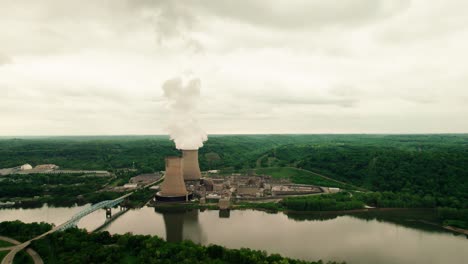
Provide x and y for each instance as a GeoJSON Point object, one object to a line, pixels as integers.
{"type": "Point", "coordinates": [182, 224]}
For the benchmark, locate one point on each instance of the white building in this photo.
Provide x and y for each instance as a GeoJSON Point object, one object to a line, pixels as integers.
{"type": "Point", "coordinates": [46, 167]}
{"type": "Point", "coordinates": [25, 167]}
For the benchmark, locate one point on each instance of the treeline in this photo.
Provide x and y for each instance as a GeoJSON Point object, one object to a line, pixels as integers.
{"type": "Point", "coordinates": [331, 202]}
{"type": "Point", "coordinates": [140, 197]}
{"type": "Point", "coordinates": [396, 200]}
{"type": "Point", "coordinates": [453, 217]}
{"type": "Point", "coordinates": [141, 152]}
{"type": "Point", "coordinates": [356, 200]}
{"type": "Point", "coordinates": [435, 170]}
{"type": "Point", "coordinates": [57, 190]}
{"type": "Point", "coordinates": [78, 246]}
{"type": "Point", "coordinates": [21, 231]}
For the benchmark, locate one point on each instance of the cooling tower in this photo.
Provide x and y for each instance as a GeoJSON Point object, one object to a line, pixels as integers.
{"type": "Point", "coordinates": [173, 187]}
{"type": "Point", "coordinates": [191, 167]}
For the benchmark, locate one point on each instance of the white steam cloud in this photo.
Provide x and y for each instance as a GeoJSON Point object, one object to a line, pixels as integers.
{"type": "Point", "coordinates": [182, 99]}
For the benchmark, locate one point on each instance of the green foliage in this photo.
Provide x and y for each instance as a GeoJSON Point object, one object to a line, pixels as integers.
{"type": "Point", "coordinates": [55, 189]}
{"type": "Point", "coordinates": [23, 232]}
{"type": "Point", "coordinates": [300, 176]}
{"type": "Point", "coordinates": [328, 202]}
{"type": "Point", "coordinates": [109, 153]}
{"type": "Point", "coordinates": [22, 258]}
{"type": "Point", "coordinates": [5, 244]}
{"type": "Point", "coordinates": [453, 217]}
{"type": "Point", "coordinates": [396, 200]}
{"type": "Point", "coordinates": [426, 165]}
{"type": "Point", "coordinates": [140, 197]}
{"type": "Point", "coordinates": [3, 254]}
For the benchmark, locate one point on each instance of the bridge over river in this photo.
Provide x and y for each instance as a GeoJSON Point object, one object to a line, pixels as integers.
{"type": "Point", "coordinates": [72, 222]}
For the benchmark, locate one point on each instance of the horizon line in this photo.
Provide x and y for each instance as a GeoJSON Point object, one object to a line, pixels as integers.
{"type": "Point", "coordinates": [231, 134]}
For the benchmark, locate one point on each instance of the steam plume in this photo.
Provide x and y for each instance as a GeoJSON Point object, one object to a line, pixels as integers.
{"type": "Point", "coordinates": [182, 99]}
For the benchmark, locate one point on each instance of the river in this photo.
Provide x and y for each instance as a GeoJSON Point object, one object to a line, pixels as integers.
{"type": "Point", "coordinates": [376, 237]}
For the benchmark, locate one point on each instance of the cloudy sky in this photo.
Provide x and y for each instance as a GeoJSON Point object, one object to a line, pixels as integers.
{"type": "Point", "coordinates": [360, 66]}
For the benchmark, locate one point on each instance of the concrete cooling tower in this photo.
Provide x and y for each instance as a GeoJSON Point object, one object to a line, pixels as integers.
{"type": "Point", "coordinates": [173, 187]}
{"type": "Point", "coordinates": [191, 168]}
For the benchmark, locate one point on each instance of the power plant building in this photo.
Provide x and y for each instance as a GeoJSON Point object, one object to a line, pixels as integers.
{"type": "Point", "coordinates": [191, 169]}
{"type": "Point", "coordinates": [173, 187]}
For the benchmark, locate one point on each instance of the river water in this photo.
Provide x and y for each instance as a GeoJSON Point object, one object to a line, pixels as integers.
{"type": "Point", "coordinates": [369, 237]}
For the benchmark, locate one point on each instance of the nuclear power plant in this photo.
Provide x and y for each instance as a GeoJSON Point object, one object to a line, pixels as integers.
{"type": "Point", "coordinates": [191, 168]}
{"type": "Point", "coordinates": [183, 181]}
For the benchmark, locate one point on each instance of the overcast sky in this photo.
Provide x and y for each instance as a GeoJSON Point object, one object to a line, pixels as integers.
{"type": "Point", "coordinates": [359, 66]}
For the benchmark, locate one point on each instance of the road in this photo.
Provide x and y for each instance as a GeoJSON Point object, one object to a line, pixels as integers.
{"type": "Point", "coordinates": [19, 246]}
{"type": "Point", "coordinates": [152, 183]}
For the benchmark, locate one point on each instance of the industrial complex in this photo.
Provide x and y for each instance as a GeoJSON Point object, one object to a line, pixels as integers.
{"type": "Point", "coordinates": [183, 182]}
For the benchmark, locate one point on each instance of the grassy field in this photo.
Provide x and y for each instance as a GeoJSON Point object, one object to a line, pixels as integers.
{"type": "Point", "coordinates": [300, 176]}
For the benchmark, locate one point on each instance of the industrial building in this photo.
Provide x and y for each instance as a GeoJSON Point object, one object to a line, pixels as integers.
{"type": "Point", "coordinates": [191, 169]}
{"type": "Point", "coordinates": [294, 189]}
{"type": "Point", "coordinates": [46, 167]}
{"type": "Point", "coordinates": [173, 187]}
{"type": "Point", "coordinates": [49, 169]}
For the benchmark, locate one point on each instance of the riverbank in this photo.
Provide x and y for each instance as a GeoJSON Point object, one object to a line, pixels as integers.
{"type": "Point", "coordinates": [458, 230]}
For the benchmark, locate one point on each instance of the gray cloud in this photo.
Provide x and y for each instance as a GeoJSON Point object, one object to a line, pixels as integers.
{"type": "Point", "coordinates": [421, 24]}
{"type": "Point", "coordinates": [302, 14]}
{"type": "Point", "coordinates": [172, 20]}
{"type": "Point", "coordinates": [96, 67]}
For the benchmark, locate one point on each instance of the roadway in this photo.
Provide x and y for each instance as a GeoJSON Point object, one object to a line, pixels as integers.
{"type": "Point", "coordinates": [35, 257]}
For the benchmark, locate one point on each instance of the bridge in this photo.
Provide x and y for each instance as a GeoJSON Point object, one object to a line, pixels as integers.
{"type": "Point", "coordinates": [104, 204]}
{"type": "Point", "coordinates": [72, 222]}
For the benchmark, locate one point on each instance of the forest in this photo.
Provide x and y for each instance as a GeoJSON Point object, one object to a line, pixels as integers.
{"type": "Point", "coordinates": [54, 189]}
{"type": "Point", "coordinates": [400, 170]}
{"type": "Point", "coordinates": [101, 247]}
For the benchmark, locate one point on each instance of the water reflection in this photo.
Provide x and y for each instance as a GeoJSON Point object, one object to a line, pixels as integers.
{"type": "Point", "coordinates": [420, 219]}
{"type": "Point", "coordinates": [181, 224]}
{"type": "Point", "coordinates": [224, 213]}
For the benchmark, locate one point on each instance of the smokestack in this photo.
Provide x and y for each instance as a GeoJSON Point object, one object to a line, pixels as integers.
{"type": "Point", "coordinates": [191, 167]}
{"type": "Point", "coordinates": [173, 184]}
